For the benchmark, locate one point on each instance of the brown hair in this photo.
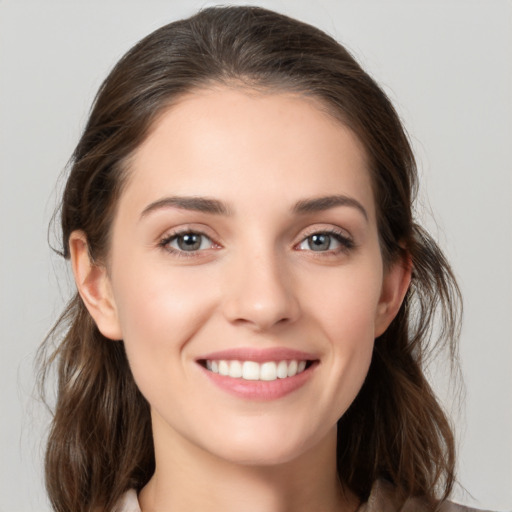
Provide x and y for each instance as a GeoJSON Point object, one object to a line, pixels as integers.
{"type": "Point", "coordinates": [100, 442]}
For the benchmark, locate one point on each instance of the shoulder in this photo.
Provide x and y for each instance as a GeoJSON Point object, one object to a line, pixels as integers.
{"type": "Point", "coordinates": [448, 506]}
{"type": "Point", "coordinates": [384, 498]}
{"type": "Point", "coordinates": [128, 502]}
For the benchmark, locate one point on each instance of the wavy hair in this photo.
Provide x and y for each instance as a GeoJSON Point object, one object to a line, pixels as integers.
{"type": "Point", "coordinates": [100, 443]}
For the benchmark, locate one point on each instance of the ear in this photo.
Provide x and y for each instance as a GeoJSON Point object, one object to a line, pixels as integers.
{"type": "Point", "coordinates": [395, 284]}
{"type": "Point", "coordinates": [93, 284]}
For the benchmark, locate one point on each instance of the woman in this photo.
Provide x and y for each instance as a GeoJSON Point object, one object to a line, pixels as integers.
{"type": "Point", "coordinates": [254, 296]}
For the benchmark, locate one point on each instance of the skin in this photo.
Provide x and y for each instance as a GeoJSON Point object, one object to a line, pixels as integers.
{"type": "Point", "coordinates": [254, 282]}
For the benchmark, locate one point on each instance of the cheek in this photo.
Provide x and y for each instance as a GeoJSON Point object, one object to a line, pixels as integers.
{"type": "Point", "coordinates": [165, 299]}
{"type": "Point", "coordinates": [345, 301]}
{"type": "Point", "coordinates": [159, 312]}
{"type": "Point", "coordinates": [345, 310]}
{"type": "Point", "coordinates": [351, 347]}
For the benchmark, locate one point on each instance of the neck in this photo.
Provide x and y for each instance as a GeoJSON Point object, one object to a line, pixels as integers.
{"type": "Point", "coordinates": [188, 479]}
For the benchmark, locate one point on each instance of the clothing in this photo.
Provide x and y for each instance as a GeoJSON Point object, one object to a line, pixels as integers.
{"type": "Point", "coordinates": [383, 498]}
{"type": "Point", "coordinates": [128, 502]}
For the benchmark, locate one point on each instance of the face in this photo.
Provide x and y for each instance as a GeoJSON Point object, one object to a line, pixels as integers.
{"type": "Point", "coordinates": [245, 275]}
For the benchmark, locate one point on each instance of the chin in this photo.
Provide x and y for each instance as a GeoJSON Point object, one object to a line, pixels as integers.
{"type": "Point", "coordinates": [268, 447]}
{"type": "Point", "coordinates": [253, 456]}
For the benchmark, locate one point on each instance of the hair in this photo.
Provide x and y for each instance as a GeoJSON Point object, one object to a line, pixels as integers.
{"type": "Point", "coordinates": [100, 443]}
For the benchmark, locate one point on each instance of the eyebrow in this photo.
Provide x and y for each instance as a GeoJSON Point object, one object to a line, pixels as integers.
{"type": "Point", "coordinates": [326, 202]}
{"type": "Point", "coordinates": [216, 207]}
{"type": "Point", "coordinates": [198, 204]}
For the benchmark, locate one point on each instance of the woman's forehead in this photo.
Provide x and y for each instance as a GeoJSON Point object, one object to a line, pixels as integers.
{"type": "Point", "coordinates": [240, 144]}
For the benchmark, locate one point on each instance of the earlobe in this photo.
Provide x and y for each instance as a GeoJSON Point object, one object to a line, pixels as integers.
{"type": "Point", "coordinates": [94, 287]}
{"type": "Point", "coordinates": [395, 284]}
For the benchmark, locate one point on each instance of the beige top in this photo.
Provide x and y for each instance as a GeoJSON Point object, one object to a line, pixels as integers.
{"type": "Point", "coordinates": [383, 498]}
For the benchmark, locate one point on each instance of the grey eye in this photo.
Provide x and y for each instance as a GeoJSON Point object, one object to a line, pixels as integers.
{"type": "Point", "coordinates": [325, 241]}
{"type": "Point", "coordinates": [189, 242]}
{"type": "Point", "coordinates": [319, 242]}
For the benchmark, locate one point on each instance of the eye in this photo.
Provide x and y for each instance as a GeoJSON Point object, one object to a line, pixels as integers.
{"type": "Point", "coordinates": [325, 241]}
{"type": "Point", "coordinates": [189, 241]}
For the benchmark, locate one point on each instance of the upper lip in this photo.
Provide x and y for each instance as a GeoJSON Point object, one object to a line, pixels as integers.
{"type": "Point", "coordinates": [259, 355]}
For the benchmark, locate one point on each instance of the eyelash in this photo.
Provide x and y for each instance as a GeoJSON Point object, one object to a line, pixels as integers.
{"type": "Point", "coordinates": [346, 243]}
{"type": "Point", "coordinates": [164, 243]}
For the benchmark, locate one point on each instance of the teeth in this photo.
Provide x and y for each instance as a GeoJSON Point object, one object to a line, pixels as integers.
{"type": "Point", "coordinates": [250, 370]}
{"type": "Point", "coordinates": [292, 368]}
{"type": "Point", "coordinates": [268, 371]}
{"type": "Point", "coordinates": [223, 368]}
{"type": "Point", "coordinates": [282, 370]}
{"type": "Point", "coordinates": [235, 369]}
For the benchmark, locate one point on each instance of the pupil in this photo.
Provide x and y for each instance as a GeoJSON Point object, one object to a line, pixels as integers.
{"type": "Point", "coordinates": [319, 242]}
{"type": "Point", "coordinates": [189, 242]}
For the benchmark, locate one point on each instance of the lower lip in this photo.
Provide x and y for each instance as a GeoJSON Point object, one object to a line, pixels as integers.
{"type": "Point", "coordinates": [260, 389]}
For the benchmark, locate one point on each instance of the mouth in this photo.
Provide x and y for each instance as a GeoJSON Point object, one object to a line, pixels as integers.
{"type": "Point", "coordinates": [259, 374]}
{"type": "Point", "coordinates": [257, 371]}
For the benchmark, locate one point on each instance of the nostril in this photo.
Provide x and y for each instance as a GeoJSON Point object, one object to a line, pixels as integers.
{"type": "Point", "coordinates": [260, 296]}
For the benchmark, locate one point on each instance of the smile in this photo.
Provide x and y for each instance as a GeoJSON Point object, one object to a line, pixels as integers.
{"type": "Point", "coordinates": [253, 371]}
{"type": "Point", "coordinates": [259, 374]}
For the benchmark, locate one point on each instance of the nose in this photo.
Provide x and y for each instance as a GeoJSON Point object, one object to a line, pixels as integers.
{"type": "Point", "coordinates": [261, 293]}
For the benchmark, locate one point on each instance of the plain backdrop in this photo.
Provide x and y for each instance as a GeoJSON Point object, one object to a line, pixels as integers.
{"type": "Point", "coordinates": [447, 66]}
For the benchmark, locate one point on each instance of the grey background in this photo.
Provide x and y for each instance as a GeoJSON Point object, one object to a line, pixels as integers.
{"type": "Point", "coordinates": [447, 67]}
